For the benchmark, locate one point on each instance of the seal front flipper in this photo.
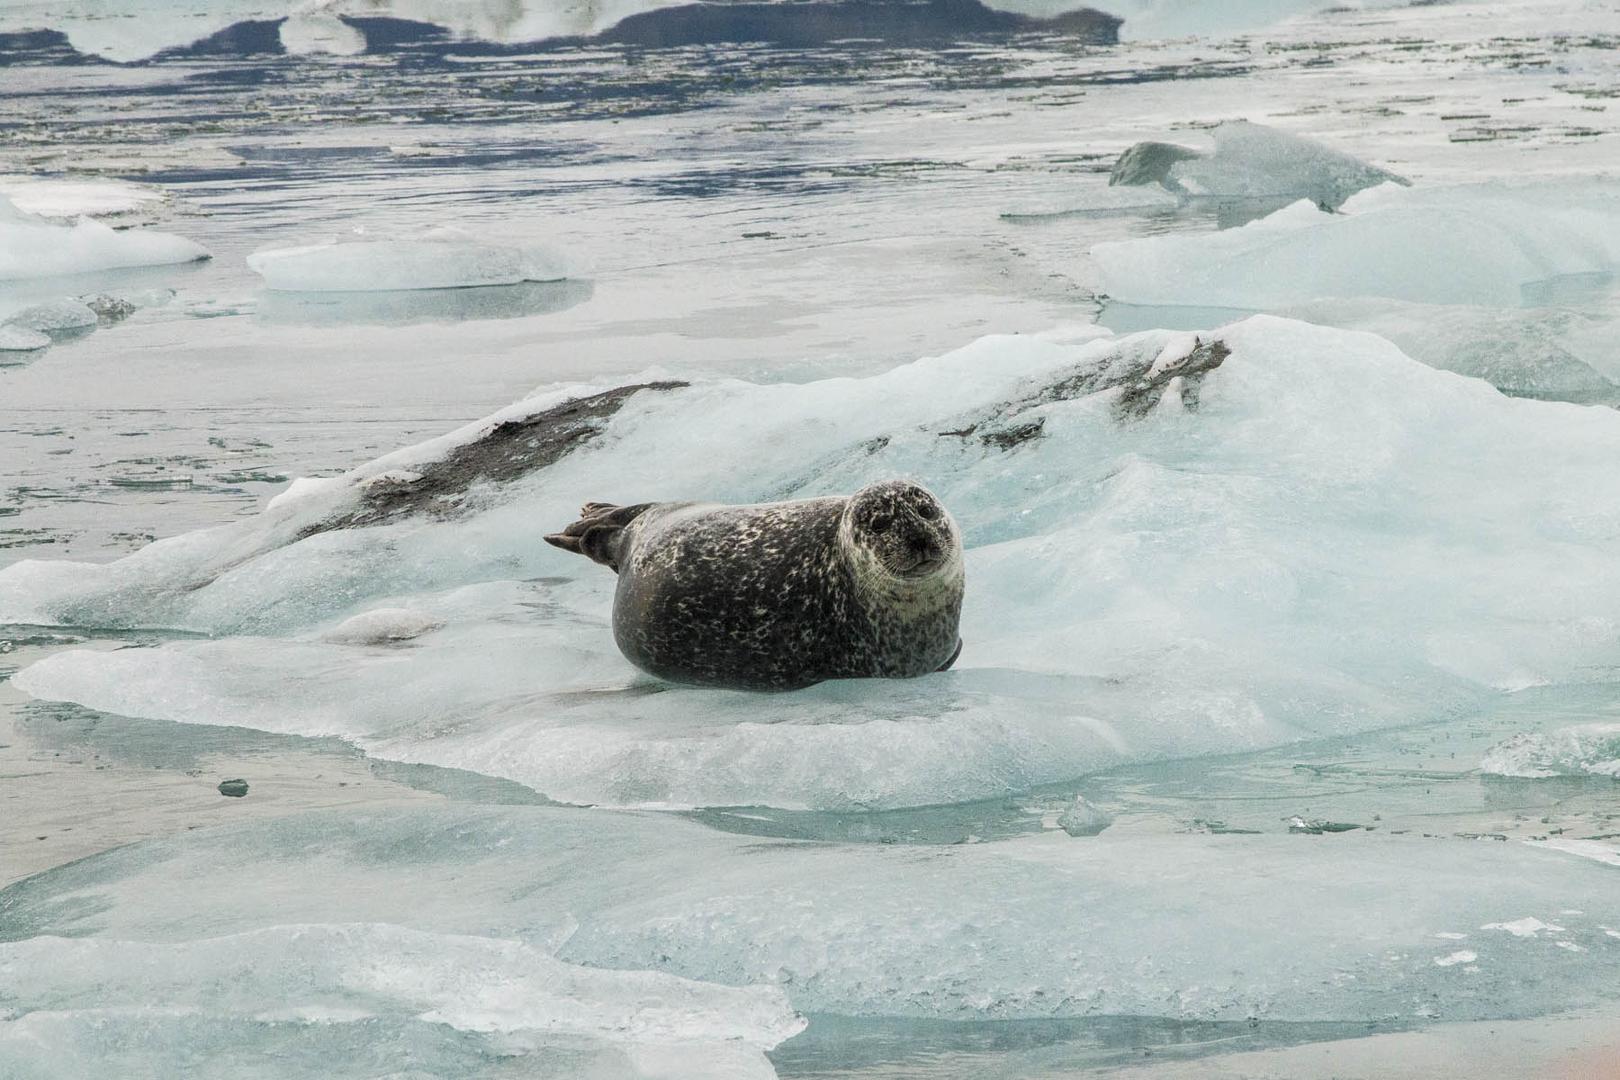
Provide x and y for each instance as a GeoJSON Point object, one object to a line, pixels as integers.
{"type": "Point", "coordinates": [598, 532]}
{"type": "Point", "coordinates": [946, 666]}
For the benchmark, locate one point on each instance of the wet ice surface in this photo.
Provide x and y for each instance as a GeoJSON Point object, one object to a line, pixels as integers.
{"type": "Point", "coordinates": [1281, 711]}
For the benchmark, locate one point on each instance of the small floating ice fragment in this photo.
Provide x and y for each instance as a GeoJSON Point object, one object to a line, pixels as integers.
{"type": "Point", "coordinates": [32, 247]}
{"type": "Point", "coordinates": [1461, 956]}
{"type": "Point", "coordinates": [1250, 161]}
{"type": "Point", "coordinates": [1083, 818]}
{"type": "Point", "coordinates": [55, 317]}
{"type": "Point", "coordinates": [1525, 927]}
{"type": "Point", "coordinates": [437, 259]}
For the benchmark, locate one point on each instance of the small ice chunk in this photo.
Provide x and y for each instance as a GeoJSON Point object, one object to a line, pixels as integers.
{"type": "Point", "coordinates": [1582, 750]}
{"type": "Point", "coordinates": [438, 259]}
{"type": "Point", "coordinates": [1150, 163]}
{"type": "Point", "coordinates": [381, 626]}
{"type": "Point", "coordinates": [1084, 818]}
{"type": "Point", "coordinates": [109, 309]}
{"type": "Point", "coordinates": [1255, 161]}
{"type": "Point", "coordinates": [55, 317]}
{"type": "Point", "coordinates": [1250, 161]}
{"type": "Point", "coordinates": [1461, 956]}
{"type": "Point", "coordinates": [1529, 926]}
{"type": "Point", "coordinates": [20, 339]}
{"type": "Point", "coordinates": [32, 247]}
{"type": "Point", "coordinates": [1451, 935]}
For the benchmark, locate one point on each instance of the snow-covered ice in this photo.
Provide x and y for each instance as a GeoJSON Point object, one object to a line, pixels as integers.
{"type": "Point", "coordinates": [441, 258]}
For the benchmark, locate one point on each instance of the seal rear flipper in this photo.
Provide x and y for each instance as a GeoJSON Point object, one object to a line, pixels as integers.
{"type": "Point", "coordinates": [597, 533]}
{"type": "Point", "coordinates": [946, 666]}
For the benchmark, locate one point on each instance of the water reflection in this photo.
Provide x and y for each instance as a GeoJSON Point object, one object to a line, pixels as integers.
{"type": "Point", "coordinates": [406, 308]}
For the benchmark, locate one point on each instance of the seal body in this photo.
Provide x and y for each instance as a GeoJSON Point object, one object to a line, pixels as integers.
{"type": "Point", "coordinates": [777, 596]}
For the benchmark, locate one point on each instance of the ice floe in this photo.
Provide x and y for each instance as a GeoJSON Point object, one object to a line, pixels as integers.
{"type": "Point", "coordinates": [32, 247]}
{"type": "Point", "coordinates": [442, 258]}
{"type": "Point", "coordinates": [1476, 244]}
{"type": "Point", "coordinates": [1174, 546]}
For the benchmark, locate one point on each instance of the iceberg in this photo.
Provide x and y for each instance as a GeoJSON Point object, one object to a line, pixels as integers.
{"type": "Point", "coordinates": [32, 247]}
{"type": "Point", "coordinates": [486, 919]}
{"type": "Point", "coordinates": [438, 259]}
{"type": "Point", "coordinates": [1250, 161]}
{"type": "Point", "coordinates": [1467, 245]}
{"type": "Point", "coordinates": [1175, 545]}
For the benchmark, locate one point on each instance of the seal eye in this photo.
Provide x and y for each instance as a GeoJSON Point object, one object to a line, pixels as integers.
{"type": "Point", "coordinates": [927, 510]}
{"type": "Point", "coordinates": [879, 523]}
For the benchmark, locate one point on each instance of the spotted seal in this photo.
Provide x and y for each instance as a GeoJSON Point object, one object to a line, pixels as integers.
{"type": "Point", "coordinates": [778, 596]}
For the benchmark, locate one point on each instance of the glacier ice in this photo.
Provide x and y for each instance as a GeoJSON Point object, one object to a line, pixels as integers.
{"type": "Point", "coordinates": [363, 999]}
{"type": "Point", "coordinates": [477, 901]}
{"type": "Point", "coordinates": [1579, 750]}
{"type": "Point", "coordinates": [1471, 245]}
{"type": "Point", "coordinates": [1174, 546]}
{"type": "Point", "coordinates": [442, 258]}
{"type": "Point", "coordinates": [31, 246]}
{"type": "Point", "coordinates": [1251, 161]}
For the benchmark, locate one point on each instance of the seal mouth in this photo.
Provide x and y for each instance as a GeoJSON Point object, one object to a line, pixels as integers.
{"type": "Point", "coordinates": [922, 566]}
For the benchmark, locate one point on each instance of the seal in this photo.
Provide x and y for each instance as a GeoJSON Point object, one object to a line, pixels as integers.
{"type": "Point", "coordinates": [779, 596]}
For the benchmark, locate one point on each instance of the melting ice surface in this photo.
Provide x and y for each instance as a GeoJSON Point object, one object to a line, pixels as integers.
{"type": "Point", "coordinates": [1316, 535]}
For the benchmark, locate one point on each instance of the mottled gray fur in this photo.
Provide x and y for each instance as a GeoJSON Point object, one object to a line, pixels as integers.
{"type": "Point", "coordinates": [781, 595]}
